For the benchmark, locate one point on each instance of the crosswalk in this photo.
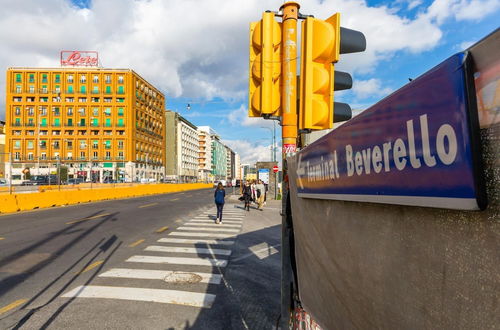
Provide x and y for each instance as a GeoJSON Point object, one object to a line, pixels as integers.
{"type": "Point", "coordinates": [182, 265]}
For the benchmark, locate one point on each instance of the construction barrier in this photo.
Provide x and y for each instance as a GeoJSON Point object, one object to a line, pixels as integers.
{"type": "Point", "coordinates": [50, 198]}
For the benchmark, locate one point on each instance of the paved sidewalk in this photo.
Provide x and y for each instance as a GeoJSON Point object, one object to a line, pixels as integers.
{"type": "Point", "coordinates": [252, 278]}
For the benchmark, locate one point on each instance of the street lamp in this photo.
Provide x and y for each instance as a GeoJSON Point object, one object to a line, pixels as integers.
{"type": "Point", "coordinates": [273, 132]}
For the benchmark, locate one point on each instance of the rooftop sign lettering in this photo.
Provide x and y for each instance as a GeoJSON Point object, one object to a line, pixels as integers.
{"type": "Point", "coordinates": [79, 58]}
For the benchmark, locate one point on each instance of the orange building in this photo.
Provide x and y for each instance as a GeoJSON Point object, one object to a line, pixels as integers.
{"type": "Point", "coordinates": [103, 124]}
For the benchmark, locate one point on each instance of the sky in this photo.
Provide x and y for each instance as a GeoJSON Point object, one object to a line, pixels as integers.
{"type": "Point", "coordinates": [196, 51]}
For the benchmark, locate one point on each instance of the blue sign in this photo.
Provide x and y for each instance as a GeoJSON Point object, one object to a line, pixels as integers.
{"type": "Point", "coordinates": [264, 175]}
{"type": "Point", "coordinates": [418, 146]}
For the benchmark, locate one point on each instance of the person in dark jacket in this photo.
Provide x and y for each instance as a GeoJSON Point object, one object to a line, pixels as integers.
{"type": "Point", "coordinates": [247, 195]}
{"type": "Point", "coordinates": [219, 196]}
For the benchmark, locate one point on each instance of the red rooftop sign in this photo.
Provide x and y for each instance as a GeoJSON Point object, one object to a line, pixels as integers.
{"type": "Point", "coordinates": [79, 58]}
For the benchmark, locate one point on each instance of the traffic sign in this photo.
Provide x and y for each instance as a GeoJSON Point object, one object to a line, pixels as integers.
{"type": "Point", "coordinates": [275, 169]}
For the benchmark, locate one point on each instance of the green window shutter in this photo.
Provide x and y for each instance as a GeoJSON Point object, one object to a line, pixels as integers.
{"type": "Point", "coordinates": [108, 144]}
{"type": "Point", "coordinates": [107, 111]}
{"type": "Point", "coordinates": [95, 121]}
{"type": "Point", "coordinates": [108, 89]}
{"type": "Point", "coordinates": [108, 122]}
{"type": "Point", "coordinates": [82, 122]}
{"type": "Point", "coordinates": [120, 111]}
{"type": "Point", "coordinates": [70, 89]}
{"type": "Point", "coordinates": [44, 121]}
{"type": "Point", "coordinates": [18, 121]}
{"type": "Point", "coordinates": [32, 77]}
{"type": "Point", "coordinates": [18, 77]}
{"type": "Point", "coordinates": [57, 122]}
{"type": "Point", "coordinates": [83, 89]}
{"type": "Point", "coordinates": [96, 89]}
{"type": "Point", "coordinates": [120, 122]}
{"type": "Point", "coordinates": [70, 122]}
{"type": "Point", "coordinates": [120, 90]}
{"type": "Point", "coordinates": [44, 78]}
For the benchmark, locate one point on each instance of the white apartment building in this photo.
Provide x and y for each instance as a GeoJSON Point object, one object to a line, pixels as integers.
{"type": "Point", "coordinates": [237, 167]}
{"type": "Point", "coordinates": [205, 154]}
{"type": "Point", "coordinates": [187, 150]}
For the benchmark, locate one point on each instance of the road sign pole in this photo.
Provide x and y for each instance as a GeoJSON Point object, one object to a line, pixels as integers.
{"type": "Point", "coordinates": [290, 11]}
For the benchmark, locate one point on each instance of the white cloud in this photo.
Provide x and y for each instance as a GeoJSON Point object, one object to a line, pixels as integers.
{"type": "Point", "coordinates": [414, 3]}
{"type": "Point", "coordinates": [368, 88]}
{"type": "Point", "coordinates": [252, 151]}
{"type": "Point", "coordinates": [199, 49]}
{"type": "Point", "coordinates": [466, 44]}
{"type": "Point", "coordinates": [239, 117]}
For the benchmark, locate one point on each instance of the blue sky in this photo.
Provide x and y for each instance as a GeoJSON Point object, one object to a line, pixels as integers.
{"type": "Point", "coordinates": [196, 52]}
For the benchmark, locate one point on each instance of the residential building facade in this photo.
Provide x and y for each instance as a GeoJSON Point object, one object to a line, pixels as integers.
{"type": "Point", "coordinates": [205, 155]}
{"type": "Point", "coordinates": [3, 155]}
{"type": "Point", "coordinates": [230, 171]}
{"type": "Point", "coordinates": [103, 124]}
{"type": "Point", "coordinates": [237, 167]}
{"type": "Point", "coordinates": [218, 155]}
{"type": "Point", "coordinates": [182, 148]}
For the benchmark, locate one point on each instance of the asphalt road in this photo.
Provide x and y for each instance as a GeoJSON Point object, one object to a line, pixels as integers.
{"type": "Point", "coordinates": [104, 266]}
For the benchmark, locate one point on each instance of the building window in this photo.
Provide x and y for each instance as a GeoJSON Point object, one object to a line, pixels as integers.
{"type": "Point", "coordinates": [96, 155]}
{"type": "Point", "coordinates": [95, 79]}
{"type": "Point", "coordinates": [56, 144]}
{"type": "Point", "coordinates": [17, 144]}
{"type": "Point", "coordinates": [57, 122]}
{"type": "Point", "coordinates": [107, 111]}
{"type": "Point", "coordinates": [120, 79]}
{"type": "Point", "coordinates": [120, 144]}
{"type": "Point", "coordinates": [82, 155]}
{"type": "Point", "coordinates": [83, 145]}
{"type": "Point", "coordinates": [108, 122]}
{"type": "Point", "coordinates": [18, 111]}
{"type": "Point", "coordinates": [107, 144]}
{"type": "Point", "coordinates": [95, 122]}
{"type": "Point", "coordinates": [29, 144]}
{"type": "Point", "coordinates": [44, 122]}
{"type": "Point", "coordinates": [120, 99]}
{"type": "Point", "coordinates": [108, 79]}
{"type": "Point", "coordinates": [56, 111]}
{"type": "Point", "coordinates": [95, 144]}
{"type": "Point", "coordinates": [70, 78]}
{"type": "Point", "coordinates": [70, 89]}
{"type": "Point", "coordinates": [83, 79]}
{"type": "Point", "coordinates": [95, 111]}
{"type": "Point", "coordinates": [83, 89]}
{"type": "Point", "coordinates": [32, 78]}
{"type": "Point", "coordinates": [69, 144]}
{"type": "Point", "coordinates": [81, 111]}
{"type": "Point", "coordinates": [70, 122]}
{"type": "Point", "coordinates": [30, 156]}
{"type": "Point", "coordinates": [120, 122]}
{"type": "Point", "coordinates": [108, 155]}
{"type": "Point", "coordinates": [95, 90]}
{"type": "Point", "coordinates": [58, 78]}
{"type": "Point", "coordinates": [120, 90]}
{"type": "Point", "coordinates": [44, 89]}
{"type": "Point", "coordinates": [31, 89]}
{"type": "Point", "coordinates": [18, 89]}
{"type": "Point", "coordinates": [70, 112]}
{"type": "Point", "coordinates": [120, 111]}
{"type": "Point", "coordinates": [18, 77]}
{"type": "Point", "coordinates": [44, 78]}
{"type": "Point", "coordinates": [108, 89]}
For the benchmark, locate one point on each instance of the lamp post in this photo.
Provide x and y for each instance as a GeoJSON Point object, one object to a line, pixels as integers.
{"type": "Point", "coordinates": [273, 156]}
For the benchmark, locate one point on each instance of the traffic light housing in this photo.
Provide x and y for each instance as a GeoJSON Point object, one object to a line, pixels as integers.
{"type": "Point", "coordinates": [322, 44]}
{"type": "Point", "coordinates": [264, 97]}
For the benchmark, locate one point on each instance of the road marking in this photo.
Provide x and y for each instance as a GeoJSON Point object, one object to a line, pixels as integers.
{"type": "Point", "coordinates": [212, 222]}
{"type": "Point", "coordinates": [91, 266]}
{"type": "Point", "coordinates": [142, 294]}
{"type": "Point", "coordinates": [167, 276]}
{"type": "Point", "coordinates": [222, 230]}
{"type": "Point", "coordinates": [195, 241]}
{"type": "Point", "coordinates": [175, 199]}
{"type": "Point", "coordinates": [234, 222]}
{"type": "Point", "coordinates": [162, 229]}
{"type": "Point", "coordinates": [261, 254]}
{"type": "Point", "coordinates": [187, 234]}
{"type": "Point", "coordinates": [174, 249]}
{"type": "Point", "coordinates": [178, 221]}
{"type": "Point", "coordinates": [148, 205]}
{"type": "Point", "coordinates": [179, 261]}
{"type": "Point", "coordinates": [89, 218]}
{"type": "Point", "coordinates": [12, 305]}
{"type": "Point", "coordinates": [136, 243]}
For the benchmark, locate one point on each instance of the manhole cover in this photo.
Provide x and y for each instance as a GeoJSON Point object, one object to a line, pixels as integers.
{"type": "Point", "coordinates": [180, 277]}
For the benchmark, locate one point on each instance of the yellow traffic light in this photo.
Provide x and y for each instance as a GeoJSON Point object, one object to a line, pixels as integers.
{"type": "Point", "coordinates": [322, 44]}
{"type": "Point", "coordinates": [264, 95]}
{"type": "Point", "coordinates": [320, 48]}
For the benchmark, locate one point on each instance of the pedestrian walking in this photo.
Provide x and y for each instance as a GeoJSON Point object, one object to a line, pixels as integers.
{"type": "Point", "coordinates": [247, 195]}
{"type": "Point", "coordinates": [260, 191]}
{"type": "Point", "coordinates": [219, 195]}
{"type": "Point", "coordinates": [254, 192]}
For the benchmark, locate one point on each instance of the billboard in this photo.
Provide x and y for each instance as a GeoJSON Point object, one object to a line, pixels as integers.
{"type": "Point", "coordinates": [419, 146]}
{"type": "Point", "coordinates": [79, 58]}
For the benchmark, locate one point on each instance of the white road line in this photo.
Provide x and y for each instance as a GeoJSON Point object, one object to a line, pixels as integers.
{"type": "Point", "coordinates": [213, 223]}
{"type": "Point", "coordinates": [167, 276]}
{"type": "Point", "coordinates": [188, 234]}
{"type": "Point", "coordinates": [142, 294]}
{"type": "Point", "coordinates": [222, 230]}
{"type": "Point", "coordinates": [174, 249]}
{"type": "Point", "coordinates": [178, 261]}
{"type": "Point", "coordinates": [195, 241]}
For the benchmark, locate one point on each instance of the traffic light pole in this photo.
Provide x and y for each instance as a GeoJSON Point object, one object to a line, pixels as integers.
{"type": "Point", "coordinates": [290, 12]}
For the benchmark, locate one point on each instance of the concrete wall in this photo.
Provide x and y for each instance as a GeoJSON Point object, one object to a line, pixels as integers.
{"type": "Point", "coordinates": [369, 266]}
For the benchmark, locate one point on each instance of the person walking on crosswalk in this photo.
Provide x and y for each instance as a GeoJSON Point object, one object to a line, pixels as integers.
{"type": "Point", "coordinates": [219, 196]}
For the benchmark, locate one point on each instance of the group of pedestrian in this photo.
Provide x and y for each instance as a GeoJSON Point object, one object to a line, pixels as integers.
{"type": "Point", "coordinates": [254, 191]}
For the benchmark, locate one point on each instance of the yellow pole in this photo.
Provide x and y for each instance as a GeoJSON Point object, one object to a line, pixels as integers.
{"type": "Point", "coordinates": [290, 12]}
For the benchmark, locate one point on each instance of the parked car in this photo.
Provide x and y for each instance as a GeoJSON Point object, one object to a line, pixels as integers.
{"type": "Point", "coordinates": [41, 180]}
{"type": "Point", "coordinates": [75, 181]}
{"type": "Point", "coordinates": [3, 183]}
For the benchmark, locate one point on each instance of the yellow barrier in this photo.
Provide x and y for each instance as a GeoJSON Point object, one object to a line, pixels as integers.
{"type": "Point", "coordinates": [50, 197]}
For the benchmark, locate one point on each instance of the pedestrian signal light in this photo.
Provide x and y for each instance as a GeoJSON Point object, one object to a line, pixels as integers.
{"type": "Point", "coordinates": [322, 44]}
{"type": "Point", "coordinates": [264, 97]}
